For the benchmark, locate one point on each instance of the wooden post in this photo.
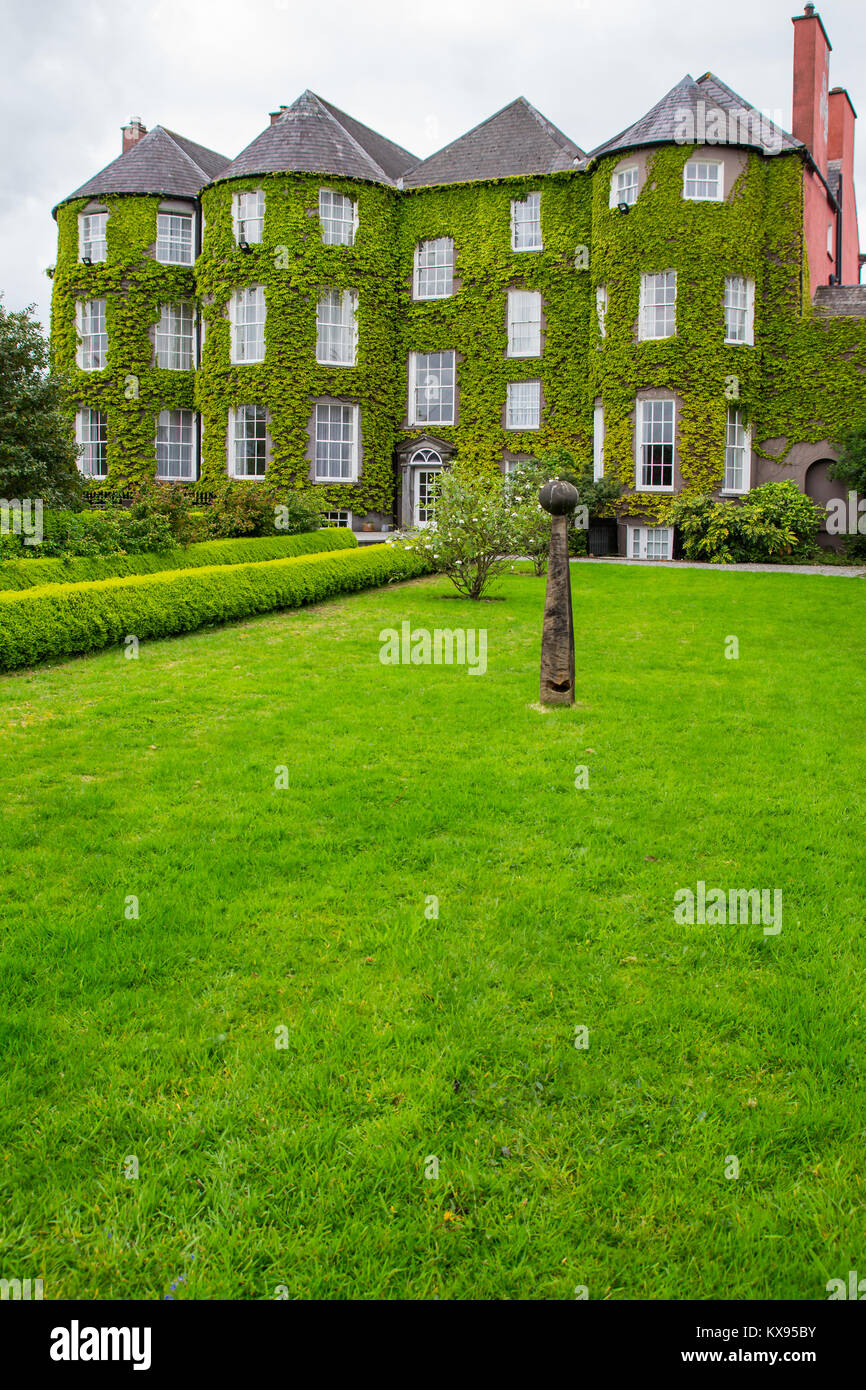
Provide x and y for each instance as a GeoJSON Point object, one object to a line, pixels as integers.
{"type": "Point", "coordinates": [557, 635]}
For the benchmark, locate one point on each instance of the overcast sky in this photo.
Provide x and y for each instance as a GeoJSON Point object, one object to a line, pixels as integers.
{"type": "Point", "coordinates": [75, 71]}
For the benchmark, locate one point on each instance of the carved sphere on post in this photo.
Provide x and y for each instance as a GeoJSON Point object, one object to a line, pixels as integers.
{"type": "Point", "coordinates": [558, 497]}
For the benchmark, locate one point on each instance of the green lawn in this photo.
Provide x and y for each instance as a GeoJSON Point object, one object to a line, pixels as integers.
{"type": "Point", "coordinates": [410, 1036]}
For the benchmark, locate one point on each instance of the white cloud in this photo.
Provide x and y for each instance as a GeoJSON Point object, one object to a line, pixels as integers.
{"type": "Point", "coordinates": [212, 69]}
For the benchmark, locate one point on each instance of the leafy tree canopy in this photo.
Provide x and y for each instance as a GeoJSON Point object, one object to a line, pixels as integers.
{"type": "Point", "coordinates": [37, 456]}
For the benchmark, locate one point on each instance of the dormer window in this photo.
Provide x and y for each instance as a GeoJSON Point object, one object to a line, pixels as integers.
{"type": "Point", "coordinates": [624, 186]}
{"type": "Point", "coordinates": [91, 236]}
{"type": "Point", "coordinates": [339, 218]}
{"type": "Point", "coordinates": [702, 181]}
{"type": "Point", "coordinates": [526, 224]}
{"type": "Point", "coordinates": [248, 214]}
{"type": "Point", "coordinates": [174, 238]}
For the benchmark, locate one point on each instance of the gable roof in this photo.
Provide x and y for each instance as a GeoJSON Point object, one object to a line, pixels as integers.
{"type": "Point", "coordinates": [160, 162]}
{"type": "Point", "coordinates": [691, 110]}
{"type": "Point", "coordinates": [516, 140]}
{"type": "Point", "coordinates": [311, 136]}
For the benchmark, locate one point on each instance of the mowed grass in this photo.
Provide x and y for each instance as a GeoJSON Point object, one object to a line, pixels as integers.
{"type": "Point", "coordinates": [301, 1169]}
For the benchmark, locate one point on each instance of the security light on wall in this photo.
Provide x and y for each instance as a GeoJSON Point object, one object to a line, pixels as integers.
{"type": "Point", "coordinates": [243, 244]}
{"type": "Point", "coordinates": [85, 260]}
{"type": "Point", "coordinates": [622, 207]}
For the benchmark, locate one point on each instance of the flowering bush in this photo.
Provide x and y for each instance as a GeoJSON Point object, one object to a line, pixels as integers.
{"type": "Point", "coordinates": [475, 533]}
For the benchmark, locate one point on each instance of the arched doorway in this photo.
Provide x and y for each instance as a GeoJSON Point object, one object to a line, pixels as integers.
{"type": "Point", "coordinates": [825, 490]}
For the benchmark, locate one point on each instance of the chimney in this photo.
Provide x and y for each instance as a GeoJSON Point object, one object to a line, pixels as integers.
{"type": "Point", "coordinates": [275, 115]}
{"type": "Point", "coordinates": [132, 133]}
{"type": "Point", "coordinates": [811, 85]}
{"type": "Point", "coordinates": [840, 146]}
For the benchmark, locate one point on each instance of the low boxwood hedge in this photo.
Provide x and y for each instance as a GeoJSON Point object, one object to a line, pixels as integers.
{"type": "Point", "coordinates": [66, 619]}
{"type": "Point", "coordinates": [34, 574]}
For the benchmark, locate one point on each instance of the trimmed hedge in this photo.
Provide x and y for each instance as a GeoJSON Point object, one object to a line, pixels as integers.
{"type": "Point", "coordinates": [66, 619]}
{"type": "Point", "coordinates": [34, 574]}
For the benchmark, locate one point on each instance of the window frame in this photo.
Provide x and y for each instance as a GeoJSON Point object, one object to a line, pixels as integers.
{"type": "Point", "coordinates": [238, 221]}
{"type": "Point", "coordinates": [168, 240]}
{"type": "Point", "coordinates": [597, 441]}
{"type": "Point", "coordinates": [233, 440]}
{"type": "Point", "coordinates": [746, 449]}
{"type": "Point", "coordinates": [447, 266]}
{"type": "Point", "coordinates": [718, 197]}
{"type": "Point", "coordinates": [511, 389]}
{"type": "Point", "coordinates": [642, 533]}
{"type": "Point", "coordinates": [348, 326]}
{"type": "Point", "coordinates": [161, 333]}
{"type": "Point", "coordinates": [352, 222]}
{"type": "Point", "coordinates": [169, 444]}
{"type": "Point", "coordinates": [535, 296]}
{"type": "Point", "coordinates": [85, 240]}
{"type": "Point", "coordinates": [747, 309]}
{"type": "Point", "coordinates": [83, 349]}
{"type": "Point", "coordinates": [616, 193]}
{"type": "Point", "coordinates": [535, 222]}
{"type": "Point", "coordinates": [328, 403]}
{"type": "Point", "coordinates": [640, 404]}
{"type": "Point", "coordinates": [653, 307]}
{"type": "Point", "coordinates": [235, 303]}
{"type": "Point", "coordinates": [101, 443]}
{"type": "Point", "coordinates": [412, 413]}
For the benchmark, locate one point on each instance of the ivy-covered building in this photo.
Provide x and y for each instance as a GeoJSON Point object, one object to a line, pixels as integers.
{"type": "Point", "coordinates": [681, 305]}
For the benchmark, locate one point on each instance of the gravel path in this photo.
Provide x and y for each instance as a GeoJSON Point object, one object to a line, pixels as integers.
{"type": "Point", "coordinates": [841, 571]}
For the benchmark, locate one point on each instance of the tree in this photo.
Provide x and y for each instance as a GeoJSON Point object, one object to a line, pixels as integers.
{"type": "Point", "coordinates": [851, 466]}
{"type": "Point", "coordinates": [37, 456]}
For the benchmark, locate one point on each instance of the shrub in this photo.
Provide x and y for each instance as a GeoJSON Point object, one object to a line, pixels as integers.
{"type": "Point", "coordinates": [256, 509]}
{"type": "Point", "coordinates": [62, 620]}
{"type": "Point", "coordinates": [774, 522]}
{"type": "Point", "coordinates": [474, 534]}
{"type": "Point", "coordinates": [172, 502]}
{"type": "Point", "coordinates": [34, 574]}
{"type": "Point", "coordinates": [108, 532]}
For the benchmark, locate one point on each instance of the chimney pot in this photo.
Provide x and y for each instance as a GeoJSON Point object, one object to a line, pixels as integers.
{"type": "Point", "coordinates": [275, 115]}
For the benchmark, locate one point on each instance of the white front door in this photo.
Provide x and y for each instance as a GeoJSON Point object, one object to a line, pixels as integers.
{"type": "Point", "coordinates": [425, 485]}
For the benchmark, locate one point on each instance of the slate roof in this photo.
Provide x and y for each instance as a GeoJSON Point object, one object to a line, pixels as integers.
{"type": "Point", "coordinates": [311, 136]}
{"type": "Point", "coordinates": [834, 176]}
{"type": "Point", "coordinates": [834, 301]}
{"type": "Point", "coordinates": [515, 141]}
{"type": "Point", "coordinates": [667, 122]}
{"type": "Point", "coordinates": [160, 162]}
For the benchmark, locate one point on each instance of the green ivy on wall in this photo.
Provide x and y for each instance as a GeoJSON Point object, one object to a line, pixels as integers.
{"type": "Point", "coordinates": [130, 389]}
{"type": "Point", "coordinates": [294, 266]}
{"type": "Point", "coordinates": [473, 321]}
{"type": "Point", "coordinates": [802, 382]}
